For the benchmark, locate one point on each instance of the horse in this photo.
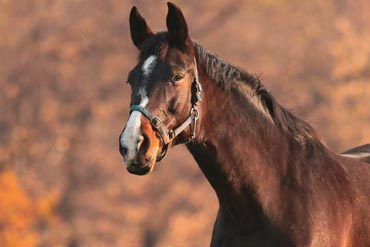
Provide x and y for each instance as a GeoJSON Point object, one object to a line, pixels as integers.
{"type": "Point", "coordinates": [277, 184]}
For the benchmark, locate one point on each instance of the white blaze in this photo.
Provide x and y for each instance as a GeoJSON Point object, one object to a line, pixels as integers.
{"type": "Point", "coordinates": [149, 65]}
{"type": "Point", "coordinates": [132, 137]}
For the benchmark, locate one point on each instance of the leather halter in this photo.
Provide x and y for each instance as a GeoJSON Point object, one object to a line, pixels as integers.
{"type": "Point", "coordinates": [164, 133]}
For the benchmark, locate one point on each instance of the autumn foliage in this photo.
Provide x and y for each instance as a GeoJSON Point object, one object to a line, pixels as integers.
{"type": "Point", "coordinates": [64, 101]}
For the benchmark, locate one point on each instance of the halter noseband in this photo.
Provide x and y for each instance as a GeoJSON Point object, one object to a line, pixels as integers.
{"type": "Point", "coordinates": [167, 135]}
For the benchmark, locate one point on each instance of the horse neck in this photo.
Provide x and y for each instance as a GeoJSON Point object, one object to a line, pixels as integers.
{"type": "Point", "coordinates": [238, 149]}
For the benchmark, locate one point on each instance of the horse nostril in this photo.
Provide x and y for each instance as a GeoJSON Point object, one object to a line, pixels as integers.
{"type": "Point", "coordinates": [140, 140]}
{"type": "Point", "coordinates": [123, 150]}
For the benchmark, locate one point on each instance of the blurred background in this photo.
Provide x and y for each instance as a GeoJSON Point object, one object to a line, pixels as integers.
{"type": "Point", "coordinates": [64, 101]}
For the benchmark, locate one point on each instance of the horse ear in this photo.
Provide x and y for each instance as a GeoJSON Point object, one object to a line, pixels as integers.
{"type": "Point", "coordinates": [140, 31]}
{"type": "Point", "coordinates": [176, 24]}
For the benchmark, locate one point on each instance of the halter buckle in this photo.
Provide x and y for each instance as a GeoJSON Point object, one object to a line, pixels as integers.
{"type": "Point", "coordinates": [156, 122]}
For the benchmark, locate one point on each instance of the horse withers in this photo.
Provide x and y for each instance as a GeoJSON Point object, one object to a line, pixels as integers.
{"type": "Point", "coordinates": [276, 183]}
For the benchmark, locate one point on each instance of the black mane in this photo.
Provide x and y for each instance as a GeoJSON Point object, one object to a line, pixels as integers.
{"type": "Point", "coordinates": [229, 77]}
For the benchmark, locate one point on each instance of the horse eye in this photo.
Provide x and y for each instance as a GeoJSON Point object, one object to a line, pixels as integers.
{"type": "Point", "coordinates": [178, 77]}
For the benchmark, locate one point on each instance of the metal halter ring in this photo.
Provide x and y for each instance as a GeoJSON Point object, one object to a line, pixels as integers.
{"type": "Point", "coordinates": [194, 113]}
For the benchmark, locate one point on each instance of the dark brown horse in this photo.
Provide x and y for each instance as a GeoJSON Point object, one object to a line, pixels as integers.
{"type": "Point", "coordinates": [276, 183]}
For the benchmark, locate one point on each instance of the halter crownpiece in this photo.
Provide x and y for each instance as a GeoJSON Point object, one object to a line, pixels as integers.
{"type": "Point", "coordinates": [167, 135]}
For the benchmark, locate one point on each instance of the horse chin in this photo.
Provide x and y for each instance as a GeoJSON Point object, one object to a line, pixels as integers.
{"type": "Point", "coordinates": [142, 166]}
{"type": "Point", "coordinates": [140, 170]}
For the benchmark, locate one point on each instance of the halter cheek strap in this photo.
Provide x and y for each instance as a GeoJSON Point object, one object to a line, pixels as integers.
{"type": "Point", "coordinates": [156, 123]}
{"type": "Point", "coordinates": [167, 135]}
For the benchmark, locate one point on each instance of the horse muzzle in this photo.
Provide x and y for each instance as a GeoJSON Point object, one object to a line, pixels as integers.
{"type": "Point", "coordinates": [140, 148]}
{"type": "Point", "coordinates": [140, 165]}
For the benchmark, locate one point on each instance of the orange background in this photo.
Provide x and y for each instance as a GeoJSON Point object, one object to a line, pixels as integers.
{"type": "Point", "coordinates": [64, 101]}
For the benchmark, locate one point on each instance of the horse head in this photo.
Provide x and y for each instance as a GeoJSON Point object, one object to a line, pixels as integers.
{"type": "Point", "coordinates": [164, 92]}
